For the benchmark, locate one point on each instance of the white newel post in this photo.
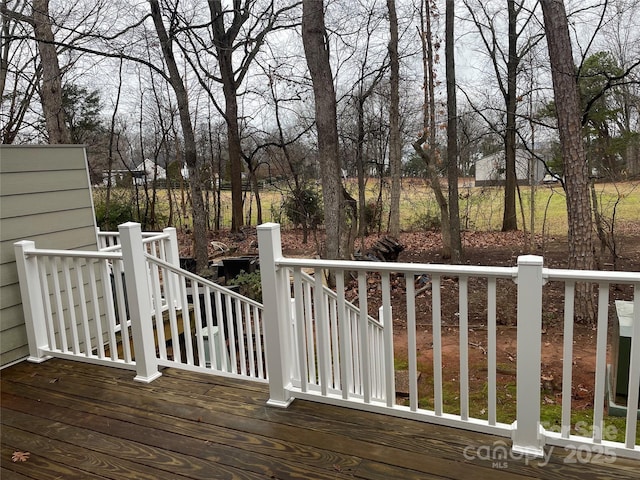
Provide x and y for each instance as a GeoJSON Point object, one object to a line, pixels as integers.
{"type": "Point", "coordinates": [528, 436]}
{"type": "Point", "coordinates": [139, 299]}
{"type": "Point", "coordinates": [173, 257]}
{"type": "Point", "coordinates": [276, 317]}
{"type": "Point", "coordinates": [31, 293]}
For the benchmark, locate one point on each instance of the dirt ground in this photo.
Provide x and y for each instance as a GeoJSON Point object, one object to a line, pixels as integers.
{"type": "Point", "coordinates": [481, 248]}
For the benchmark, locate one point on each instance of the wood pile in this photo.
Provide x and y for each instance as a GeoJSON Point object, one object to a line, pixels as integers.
{"type": "Point", "coordinates": [385, 249]}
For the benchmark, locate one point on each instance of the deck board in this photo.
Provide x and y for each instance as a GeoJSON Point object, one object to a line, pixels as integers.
{"type": "Point", "coordinates": [86, 421]}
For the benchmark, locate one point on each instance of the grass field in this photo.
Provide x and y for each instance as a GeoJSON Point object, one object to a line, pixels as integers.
{"type": "Point", "coordinates": [481, 208]}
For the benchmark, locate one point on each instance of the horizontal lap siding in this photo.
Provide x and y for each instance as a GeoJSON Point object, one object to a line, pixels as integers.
{"type": "Point", "coordinates": [44, 197]}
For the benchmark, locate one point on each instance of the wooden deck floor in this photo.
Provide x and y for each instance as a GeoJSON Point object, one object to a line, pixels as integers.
{"type": "Point", "coordinates": [80, 421]}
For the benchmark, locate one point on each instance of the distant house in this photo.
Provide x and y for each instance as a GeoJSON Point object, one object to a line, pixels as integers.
{"type": "Point", "coordinates": [490, 170]}
{"type": "Point", "coordinates": [148, 171]}
{"type": "Point", "coordinates": [117, 177]}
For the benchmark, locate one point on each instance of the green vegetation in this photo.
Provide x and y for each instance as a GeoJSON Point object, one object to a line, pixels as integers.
{"type": "Point", "coordinates": [550, 413]}
{"type": "Point", "coordinates": [120, 211]}
{"type": "Point", "coordinates": [249, 284]}
{"type": "Point", "coordinates": [304, 207]}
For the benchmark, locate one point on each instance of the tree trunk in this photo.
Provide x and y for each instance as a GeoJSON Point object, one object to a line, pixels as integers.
{"type": "Point", "coordinates": [256, 191]}
{"type": "Point", "coordinates": [429, 128]}
{"type": "Point", "coordinates": [569, 115]}
{"type": "Point", "coordinates": [395, 146]}
{"type": "Point", "coordinates": [362, 201]}
{"type": "Point", "coordinates": [509, 220]}
{"type": "Point", "coordinates": [224, 35]}
{"type": "Point", "coordinates": [191, 156]}
{"type": "Point", "coordinates": [452, 136]}
{"type": "Point", "coordinates": [317, 56]}
{"type": "Point", "coordinates": [51, 92]}
{"type": "Point", "coordinates": [233, 137]}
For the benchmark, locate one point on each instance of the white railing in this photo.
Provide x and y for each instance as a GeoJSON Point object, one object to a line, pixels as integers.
{"type": "Point", "coordinates": [75, 305]}
{"type": "Point", "coordinates": [133, 307]}
{"type": "Point", "coordinates": [130, 305]}
{"type": "Point", "coordinates": [317, 306]}
{"type": "Point", "coordinates": [599, 432]}
{"type": "Point", "coordinates": [107, 240]}
{"type": "Point", "coordinates": [323, 349]}
{"type": "Point", "coordinates": [227, 327]}
{"type": "Point", "coordinates": [163, 245]}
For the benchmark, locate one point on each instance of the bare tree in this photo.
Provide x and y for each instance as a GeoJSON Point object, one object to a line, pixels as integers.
{"type": "Point", "coordinates": [190, 150]}
{"type": "Point", "coordinates": [371, 65]}
{"type": "Point", "coordinates": [506, 67]}
{"type": "Point", "coordinates": [233, 36]}
{"type": "Point", "coordinates": [18, 80]}
{"type": "Point", "coordinates": [395, 141]}
{"type": "Point", "coordinates": [428, 153]}
{"type": "Point", "coordinates": [51, 78]}
{"type": "Point", "coordinates": [569, 116]}
{"type": "Point", "coordinates": [51, 89]}
{"type": "Point", "coordinates": [314, 37]}
{"type": "Point", "coordinates": [452, 136]}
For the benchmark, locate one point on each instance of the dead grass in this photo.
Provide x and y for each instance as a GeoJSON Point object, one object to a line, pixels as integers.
{"type": "Point", "coordinates": [481, 208]}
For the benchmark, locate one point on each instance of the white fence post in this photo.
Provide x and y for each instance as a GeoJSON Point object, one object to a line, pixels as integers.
{"type": "Point", "coordinates": [277, 329]}
{"type": "Point", "coordinates": [528, 436]}
{"type": "Point", "coordinates": [139, 300]}
{"type": "Point", "coordinates": [99, 239]}
{"type": "Point", "coordinates": [173, 257]}
{"type": "Point", "coordinates": [32, 304]}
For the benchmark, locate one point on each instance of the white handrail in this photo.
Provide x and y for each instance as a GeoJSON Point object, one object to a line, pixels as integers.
{"type": "Point", "coordinates": [194, 277]}
{"type": "Point", "coordinates": [44, 252]}
{"type": "Point", "coordinates": [417, 268]}
{"type": "Point", "coordinates": [315, 345]}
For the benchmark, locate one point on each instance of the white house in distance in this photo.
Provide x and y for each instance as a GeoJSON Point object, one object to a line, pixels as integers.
{"type": "Point", "coordinates": [149, 169]}
{"type": "Point", "coordinates": [490, 170]}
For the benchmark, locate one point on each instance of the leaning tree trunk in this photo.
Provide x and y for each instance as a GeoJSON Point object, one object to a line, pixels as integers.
{"type": "Point", "coordinates": [317, 55]}
{"type": "Point", "coordinates": [51, 92]}
{"type": "Point", "coordinates": [568, 111]}
{"type": "Point", "coordinates": [190, 151]}
{"type": "Point", "coordinates": [429, 128]}
{"type": "Point", "coordinates": [441, 200]}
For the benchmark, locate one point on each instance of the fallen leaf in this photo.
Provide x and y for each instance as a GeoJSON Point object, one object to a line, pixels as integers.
{"type": "Point", "coordinates": [20, 456]}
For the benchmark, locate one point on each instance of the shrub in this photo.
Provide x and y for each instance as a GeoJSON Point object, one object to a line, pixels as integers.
{"type": "Point", "coordinates": [304, 207]}
{"type": "Point", "coordinates": [249, 284]}
{"type": "Point", "coordinates": [372, 215]}
{"type": "Point", "coordinates": [426, 221]}
{"type": "Point", "coordinates": [120, 211]}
